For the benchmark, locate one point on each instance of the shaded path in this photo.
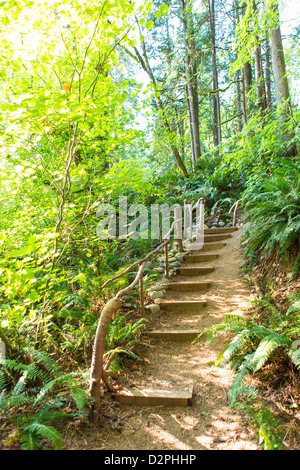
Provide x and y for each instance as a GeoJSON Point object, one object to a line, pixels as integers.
{"type": "Point", "coordinates": [209, 424]}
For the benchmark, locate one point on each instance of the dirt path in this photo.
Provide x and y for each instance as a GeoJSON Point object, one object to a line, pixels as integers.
{"type": "Point", "coordinates": [209, 424]}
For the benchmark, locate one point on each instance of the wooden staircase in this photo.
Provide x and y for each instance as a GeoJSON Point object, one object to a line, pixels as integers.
{"type": "Point", "coordinates": [184, 282]}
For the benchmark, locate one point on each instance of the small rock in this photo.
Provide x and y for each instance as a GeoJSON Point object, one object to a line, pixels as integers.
{"type": "Point", "coordinates": [154, 308]}
{"type": "Point", "coordinates": [157, 301]}
{"type": "Point", "coordinates": [159, 270]}
{"type": "Point", "coordinates": [154, 288]}
{"type": "Point", "coordinates": [221, 224]}
{"type": "Point", "coordinates": [156, 295]}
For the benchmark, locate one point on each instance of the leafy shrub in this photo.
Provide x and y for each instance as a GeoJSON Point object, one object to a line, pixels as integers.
{"type": "Point", "coordinates": [29, 398]}
{"type": "Point", "coordinates": [252, 347]}
{"type": "Point", "coordinates": [272, 203]}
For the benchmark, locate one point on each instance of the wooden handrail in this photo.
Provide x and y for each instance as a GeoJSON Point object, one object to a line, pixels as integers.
{"type": "Point", "coordinates": [235, 207]}
{"type": "Point", "coordinates": [98, 372]}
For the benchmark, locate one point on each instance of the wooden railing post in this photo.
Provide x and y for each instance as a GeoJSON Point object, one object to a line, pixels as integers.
{"type": "Point", "coordinates": [141, 285]}
{"type": "Point", "coordinates": [166, 261]}
{"type": "Point", "coordinates": [234, 214]}
{"type": "Point", "coordinates": [235, 207]}
{"type": "Point", "coordinates": [178, 228]}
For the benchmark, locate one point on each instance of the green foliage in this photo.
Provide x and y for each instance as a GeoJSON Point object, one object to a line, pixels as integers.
{"type": "Point", "coordinates": [269, 429]}
{"type": "Point", "coordinates": [272, 202]}
{"type": "Point", "coordinates": [251, 348]}
{"type": "Point", "coordinates": [121, 339]}
{"type": "Point", "coordinates": [35, 388]}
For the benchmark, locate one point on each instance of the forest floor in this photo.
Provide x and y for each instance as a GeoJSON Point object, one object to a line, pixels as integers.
{"type": "Point", "coordinates": [209, 424]}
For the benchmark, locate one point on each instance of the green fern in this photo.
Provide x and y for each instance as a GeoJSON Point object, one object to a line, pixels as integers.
{"type": "Point", "coordinates": [253, 344]}
{"type": "Point", "coordinates": [273, 206]}
{"type": "Point", "coordinates": [32, 386]}
{"type": "Point", "coordinates": [33, 433]}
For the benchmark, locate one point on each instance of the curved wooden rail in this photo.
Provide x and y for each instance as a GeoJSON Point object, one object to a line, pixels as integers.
{"type": "Point", "coordinates": [98, 372]}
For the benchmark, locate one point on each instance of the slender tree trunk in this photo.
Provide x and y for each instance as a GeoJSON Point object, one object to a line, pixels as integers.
{"type": "Point", "coordinates": [278, 63]}
{"type": "Point", "coordinates": [280, 79]}
{"type": "Point", "coordinates": [191, 78]}
{"type": "Point", "coordinates": [241, 111]}
{"type": "Point", "coordinates": [259, 80]}
{"type": "Point", "coordinates": [217, 136]}
{"type": "Point", "coordinates": [268, 73]}
{"type": "Point", "coordinates": [246, 81]}
{"type": "Point", "coordinates": [144, 62]}
{"type": "Point", "coordinates": [239, 100]}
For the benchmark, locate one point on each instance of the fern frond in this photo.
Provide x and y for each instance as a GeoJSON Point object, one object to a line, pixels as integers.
{"type": "Point", "coordinates": [238, 385]}
{"type": "Point", "coordinates": [266, 347]}
{"type": "Point", "coordinates": [46, 432]}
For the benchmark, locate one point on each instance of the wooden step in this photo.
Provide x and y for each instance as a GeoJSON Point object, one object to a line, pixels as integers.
{"type": "Point", "coordinates": [203, 258]}
{"type": "Point", "coordinates": [213, 246]}
{"type": "Point", "coordinates": [210, 231]}
{"type": "Point", "coordinates": [183, 306]}
{"type": "Point", "coordinates": [148, 397]}
{"type": "Point", "coordinates": [189, 286]}
{"type": "Point", "coordinates": [173, 335]}
{"type": "Point", "coordinates": [194, 271]}
{"type": "Point", "coordinates": [216, 237]}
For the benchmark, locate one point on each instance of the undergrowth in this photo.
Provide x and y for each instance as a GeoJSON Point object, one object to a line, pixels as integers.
{"type": "Point", "coordinates": [251, 349]}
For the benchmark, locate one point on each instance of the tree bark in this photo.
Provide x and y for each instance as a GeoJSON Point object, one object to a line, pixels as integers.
{"type": "Point", "coordinates": [144, 62]}
{"type": "Point", "coordinates": [280, 79]}
{"type": "Point", "coordinates": [191, 79]}
{"type": "Point", "coordinates": [259, 80]}
{"type": "Point", "coordinates": [278, 63]}
{"type": "Point", "coordinates": [268, 73]}
{"type": "Point", "coordinates": [217, 135]}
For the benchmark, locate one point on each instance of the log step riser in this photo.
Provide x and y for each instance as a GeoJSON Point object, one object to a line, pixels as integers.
{"type": "Point", "coordinates": [213, 246]}
{"type": "Point", "coordinates": [155, 397]}
{"type": "Point", "coordinates": [189, 287]}
{"type": "Point", "coordinates": [189, 271]}
{"type": "Point", "coordinates": [200, 258]}
{"type": "Point", "coordinates": [216, 238]}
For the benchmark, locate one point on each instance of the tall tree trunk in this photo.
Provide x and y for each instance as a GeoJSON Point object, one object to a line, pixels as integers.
{"type": "Point", "coordinates": [246, 82]}
{"type": "Point", "coordinates": [278, 63]}
{"type": "Point", "coordinates": [259, 80]}
{"type": "Point", "coordinates": [280, 79]}
{"type": "Point", "coordinates": [191, 78]}
{"type": "Point", "coordinates": [268, 73]}
{"type": "Point", "coordinates": [239, 100]}
{"type": "Point", "coordinates": [240, 103]}
{"type": "Point", "coordinates": [217, 135]}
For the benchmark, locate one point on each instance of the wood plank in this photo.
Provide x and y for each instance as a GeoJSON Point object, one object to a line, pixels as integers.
{"type": "Point", "coordinates": [149, 397]}
{"type": "Point", "coordinates": [194, 271]}
{"type": "Point", "coordinates": [201, 258]}
{"type": "Point", "coordinates": [189, 286]}
{"type": "Point", "coordinates": [220, 230]}
{"type": "Point", "coordinates": [213, 246]}
{"type": "Point", "coordinates": [216, 237]}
